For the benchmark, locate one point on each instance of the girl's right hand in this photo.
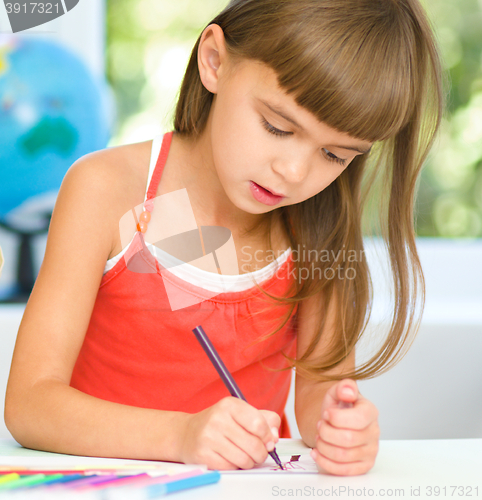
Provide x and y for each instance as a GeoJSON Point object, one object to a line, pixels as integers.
{"type": "Point", "coordinates": [230, 435]}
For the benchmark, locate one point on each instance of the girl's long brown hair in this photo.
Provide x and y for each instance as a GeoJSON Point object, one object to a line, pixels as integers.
{"type": "Point", "coordinates": [371, 69]}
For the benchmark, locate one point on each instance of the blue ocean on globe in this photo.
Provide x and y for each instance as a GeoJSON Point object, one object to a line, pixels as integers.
{"type": "Point", "coordinates": [52, 112]}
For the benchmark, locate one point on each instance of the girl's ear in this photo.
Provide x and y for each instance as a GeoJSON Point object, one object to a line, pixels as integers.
{"type": "Point", "coordinates": [211, 56]}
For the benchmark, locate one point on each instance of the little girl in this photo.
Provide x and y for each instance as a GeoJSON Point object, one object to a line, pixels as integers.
{"type": "Point", "coordinates": [283, 104]}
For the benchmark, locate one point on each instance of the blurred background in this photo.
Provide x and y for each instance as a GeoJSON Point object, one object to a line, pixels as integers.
{"type": "Point", "coordinates": [128, 58]}
{"type": "Point", "coordinates": [135, 52]}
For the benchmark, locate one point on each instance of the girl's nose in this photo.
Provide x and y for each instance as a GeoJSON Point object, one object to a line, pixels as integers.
{"type": "Point", "coordinates": [293, 170]}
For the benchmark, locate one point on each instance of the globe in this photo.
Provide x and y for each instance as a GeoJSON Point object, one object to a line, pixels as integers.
{"type": "Point", "coordinates": [52, 112]}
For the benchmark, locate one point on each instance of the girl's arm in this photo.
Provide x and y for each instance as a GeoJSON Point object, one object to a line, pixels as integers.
{"type": "Point", "coordinates": [333, 418]}
{"type": "Point", "coordinates": [42, 411]}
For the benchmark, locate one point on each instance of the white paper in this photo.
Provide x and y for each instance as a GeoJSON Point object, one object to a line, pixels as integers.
{"type": "Point", "coordinates": [294, 455]}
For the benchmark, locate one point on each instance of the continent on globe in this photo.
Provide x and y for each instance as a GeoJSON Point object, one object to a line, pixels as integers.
{"type": "Point", "coordinates": [54, 133]}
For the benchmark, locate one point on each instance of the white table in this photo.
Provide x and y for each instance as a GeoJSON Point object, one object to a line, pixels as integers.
{"type": "Point", "coordinates": [404, 469]}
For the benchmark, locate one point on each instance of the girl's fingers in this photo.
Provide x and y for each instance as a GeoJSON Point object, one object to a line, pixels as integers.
{"type": "Point", "coordinates": [336, 393]}
{"type": "Point", "coordinates": [233, 430]}
{"type": "Point", "coordinates": [222, 455]}
{"type": "Point", "coordinates": [345, 438]}
{"type": "Point", "coordinates": [274, 422]}
{"type": "Point", "coordinates": [327, 466]}
{"type": "Point", "coordinates": [233, 454]}
{"type": "Point", "coordinates": [360, 416]}
{"type": "Point", "coordinates": [253, 448]}
{"type": "Point", "coordinates": [345, 451]}
{"type": "Point", "coordinates": [254, 422]}
{"type": "Point", "coordinates": [346, 455]}
{"type": "Point", "coordinates": [346, 390]}
{"type": "Point", "coordinates": [218, 462]}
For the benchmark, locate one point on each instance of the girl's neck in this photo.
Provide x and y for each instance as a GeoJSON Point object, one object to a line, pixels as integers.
{"type": "Point", "coordinates": [190, 165]}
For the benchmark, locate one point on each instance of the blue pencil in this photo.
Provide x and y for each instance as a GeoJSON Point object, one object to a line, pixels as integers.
{"type": "Point", "coordinates": [64, 479]}
{"type": "Point", "coordinates": [158, 490]}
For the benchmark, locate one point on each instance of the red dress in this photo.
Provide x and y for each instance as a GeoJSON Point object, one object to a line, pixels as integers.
{"type": "Point", "coordinates": [137, 351]}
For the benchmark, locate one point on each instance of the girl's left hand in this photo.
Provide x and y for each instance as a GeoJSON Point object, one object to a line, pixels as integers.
{"type": "Point", "coordinates": [347, 433]}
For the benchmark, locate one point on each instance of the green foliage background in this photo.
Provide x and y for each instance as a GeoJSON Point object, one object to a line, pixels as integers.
{"type": "Point", "coordinates": [149, 42]}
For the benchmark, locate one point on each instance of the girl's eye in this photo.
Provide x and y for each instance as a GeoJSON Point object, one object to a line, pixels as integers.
{"type": "Point", "coordinates": [332, 157]}
{"type": "Point", "coordinates": [273, 130]}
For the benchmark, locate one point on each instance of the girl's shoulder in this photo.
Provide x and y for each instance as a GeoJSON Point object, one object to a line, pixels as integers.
{"type": "Point", "coordinates": [114, 180]}
{"type": "Point", "coordinates": [120, 172]}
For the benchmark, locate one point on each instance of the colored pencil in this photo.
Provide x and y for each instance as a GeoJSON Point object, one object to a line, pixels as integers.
{"type": "Point", "coordinates": [226, 377]}
{"type": "Point", "coordinates": [145, 481]}
{"type": "Point", "coordinates": [114, 482]}
{"type": "Point", "coordinates": [31, 472]}
{"type": "Point", "coordinates": [158, 490]}
{"type": "Point", "coordinates": [20, 482]}
{"type": "Point", "coordinates": [85, 470]}
{"type": "Point", "coordinates": [44, 480]}
{"type": "Point", "coordinates": [62, 480]}
{"type": "Point", "coordinates": [93, 479]}
{"type": "Point", "coordinates": [9, 477]}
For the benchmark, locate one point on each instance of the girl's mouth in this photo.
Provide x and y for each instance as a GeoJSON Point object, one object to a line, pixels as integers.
{"type": "Point", "coordinates": [263, 195]}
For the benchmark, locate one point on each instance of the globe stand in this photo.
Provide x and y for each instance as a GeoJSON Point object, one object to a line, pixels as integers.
{"type": "Point", "coordinates": [25, 266]}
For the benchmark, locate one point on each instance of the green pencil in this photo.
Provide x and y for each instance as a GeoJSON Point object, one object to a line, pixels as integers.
{"type": "Point", "coordinates": [46, 479]}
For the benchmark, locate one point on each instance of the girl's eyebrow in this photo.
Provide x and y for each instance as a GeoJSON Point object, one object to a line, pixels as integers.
{"type": "Point", "coordinates": [279, 111]}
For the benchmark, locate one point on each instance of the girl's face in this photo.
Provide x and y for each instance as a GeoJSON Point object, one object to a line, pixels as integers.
{"type": "Point", "coordinates": [262, 140]}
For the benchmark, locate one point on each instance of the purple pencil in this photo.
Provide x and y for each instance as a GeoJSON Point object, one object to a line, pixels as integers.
{"type": "Point", "coordinates": [93, 479]}
{"type": "Point", "coordinates": [114, 482]}
{"type": "Point", "coordinates": [226, 377]}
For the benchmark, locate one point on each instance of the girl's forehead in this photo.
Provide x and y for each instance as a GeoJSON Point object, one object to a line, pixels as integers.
{"type": "Point", "coordinates": [260, 83]}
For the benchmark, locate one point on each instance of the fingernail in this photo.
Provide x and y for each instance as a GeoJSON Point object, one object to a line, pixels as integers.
{"type": "Point", "coordinates": [270, 446]}
{"type": "Point", "coordinates": [348, 391]}
{"type": "Point", "coordinates": [275, 433]}
{"type": "Point", "coordinates": [345, 404]}
{"type": "Point", "coordinates": [313, 454]}
{"type": "Point", "coordinates": [319, 423]}
{"type": "Point", "coordinates": [326, 415]}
